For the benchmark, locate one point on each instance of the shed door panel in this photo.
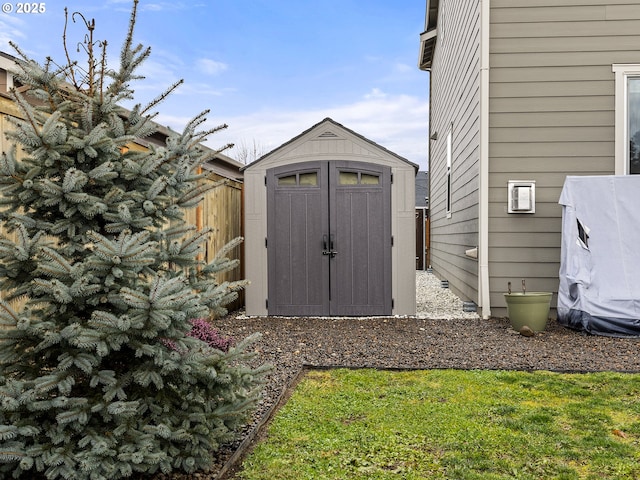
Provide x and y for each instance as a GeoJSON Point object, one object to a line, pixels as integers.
{"type": "Point", "coordinates": [329, 239]}
{"type": "Point", "coordinates": [296, 215]}
{"type": "Point", "coordinates": [360, 209]}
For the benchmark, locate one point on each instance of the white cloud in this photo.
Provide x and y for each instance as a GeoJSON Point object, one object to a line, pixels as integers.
{"type": "Point", "coordinates": [154, 7]}
{"type": "Point", "coordinates": [159, 74]}
{"type": "Point", "coordinates": [404, 68]}
{"type": "Point", "coordinates": [211, 67]}
{"type": "Point", "coordinates": [203, 90]}
{"type": "Point", "coordinates": [11, 28]}
{"type": "Point", "coordinates": [375, 93]}
{"type": "Point", "coordinates": [399, 123]}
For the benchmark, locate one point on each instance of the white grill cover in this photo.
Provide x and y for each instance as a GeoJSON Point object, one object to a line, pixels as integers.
{"type": "Point", "coordinates": [600, 257]}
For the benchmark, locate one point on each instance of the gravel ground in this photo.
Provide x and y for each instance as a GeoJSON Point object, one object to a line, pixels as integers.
{"type": "Point", "coordinates": [440, 336]}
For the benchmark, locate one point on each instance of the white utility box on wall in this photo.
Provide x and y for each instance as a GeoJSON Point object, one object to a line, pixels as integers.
{"type": "Point", "coordinates": [521, 196]}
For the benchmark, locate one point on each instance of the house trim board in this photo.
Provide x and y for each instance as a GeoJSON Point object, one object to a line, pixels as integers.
{"type": "Point", "coordinates": [483, 222]}
{"type": "Point", "coordinates": [622, 71]}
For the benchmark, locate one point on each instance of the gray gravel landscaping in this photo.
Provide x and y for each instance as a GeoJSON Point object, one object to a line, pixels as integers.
{"type": "Point", "coordinates": [440, 336]}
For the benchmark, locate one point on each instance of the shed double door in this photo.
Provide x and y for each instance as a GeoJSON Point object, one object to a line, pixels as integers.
{"type": "Point", "coordinates": [329, 239]}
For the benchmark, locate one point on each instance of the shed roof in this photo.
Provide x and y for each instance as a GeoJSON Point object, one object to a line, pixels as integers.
{"type": "Point", "coordinates": [340, 126]}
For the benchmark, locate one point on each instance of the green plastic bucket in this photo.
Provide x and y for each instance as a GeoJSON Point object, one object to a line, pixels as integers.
{"type": "Point", "coordinates": [530, 309]}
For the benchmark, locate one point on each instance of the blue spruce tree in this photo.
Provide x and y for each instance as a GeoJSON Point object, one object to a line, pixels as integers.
{"type": "Point", "coordinates": [99, 377]}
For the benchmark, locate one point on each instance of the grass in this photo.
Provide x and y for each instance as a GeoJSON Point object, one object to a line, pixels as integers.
{"type": "Point", "coordinates": [453, 424]}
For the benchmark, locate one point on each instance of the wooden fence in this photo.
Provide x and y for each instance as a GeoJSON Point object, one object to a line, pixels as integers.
{"type": "Point", "coordinates": [222, 209]}
{"type": "Point", "coordinates": [422, 239]}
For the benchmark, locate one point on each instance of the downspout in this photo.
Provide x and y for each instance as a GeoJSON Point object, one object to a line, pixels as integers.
{"type": "Point", "coordinates": [483, 223]}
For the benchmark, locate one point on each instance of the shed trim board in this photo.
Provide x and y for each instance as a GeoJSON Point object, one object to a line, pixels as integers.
{"type": "Point", "coordinates": [327, 181]}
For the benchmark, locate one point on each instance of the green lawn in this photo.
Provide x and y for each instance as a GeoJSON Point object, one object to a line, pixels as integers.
{"type": "Point", "coordinates": [453, 424]}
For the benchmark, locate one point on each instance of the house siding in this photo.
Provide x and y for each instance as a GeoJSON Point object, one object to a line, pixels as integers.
{"type": "Point", "coordinates": [551, 115]}
{"type": "Point", "coordinates": [455, 85]}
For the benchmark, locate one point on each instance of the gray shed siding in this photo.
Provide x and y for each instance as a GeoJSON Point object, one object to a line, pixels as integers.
{"type": "Point", "coordinates": [455, 85]}
{"type": "Point", "coordinates": [551, 115]}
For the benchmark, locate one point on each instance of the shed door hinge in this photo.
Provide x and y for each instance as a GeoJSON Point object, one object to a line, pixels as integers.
{"type": "Point", "coordinates": [392, 178]}
{"type": "Point", "coordinates": [393, 303]}
{"type": "Point", "coordinates": [265, 179]}
{"type": "Point", "coordinates": [265, 242]}
{"type": "Point", "coordinates": [266, 303]}
{"type": "Point", "coordinates": [392, 240]}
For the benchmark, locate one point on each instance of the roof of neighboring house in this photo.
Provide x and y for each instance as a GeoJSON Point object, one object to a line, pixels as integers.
{"type": "Point", "coordinates": [225, 166]}
{"type": "Point", "coordinates": [422, 189]}
{"type": "Point", "coordinates": [330, 120]}
{"type": "Point", "coordinates": [222, 164]}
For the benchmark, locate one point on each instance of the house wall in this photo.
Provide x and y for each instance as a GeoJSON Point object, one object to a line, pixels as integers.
{"type": "Point", "coordinates": [328, 142]}
{"type": "Point", "coordinates": [455, 81]}
{"type": "Point", "coordinates": [551, 114]}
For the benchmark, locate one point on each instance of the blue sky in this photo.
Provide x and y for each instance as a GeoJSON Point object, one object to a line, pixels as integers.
{"type": "Point", "coordinates": [269, 69]}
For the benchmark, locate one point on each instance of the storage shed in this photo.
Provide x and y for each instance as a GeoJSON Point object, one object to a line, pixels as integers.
{"type": "Point", "coordinates": [330, 227]}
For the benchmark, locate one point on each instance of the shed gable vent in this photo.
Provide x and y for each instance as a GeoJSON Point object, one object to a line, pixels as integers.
{"type": "Point", "coordinates": [328, 135]}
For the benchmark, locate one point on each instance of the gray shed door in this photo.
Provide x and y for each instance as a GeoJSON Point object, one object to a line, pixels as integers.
{"type": "Point", "coordinates": [329, 239]}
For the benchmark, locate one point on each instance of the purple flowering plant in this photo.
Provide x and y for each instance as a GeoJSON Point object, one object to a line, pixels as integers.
{"type": "Point", "coordinates": [203, 330]}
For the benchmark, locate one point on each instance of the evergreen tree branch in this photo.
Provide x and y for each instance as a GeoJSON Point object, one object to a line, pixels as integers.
{"type": "Point", "coordinates": [71, 77]}
{"type": "Point", "coordinates": [100, 376]}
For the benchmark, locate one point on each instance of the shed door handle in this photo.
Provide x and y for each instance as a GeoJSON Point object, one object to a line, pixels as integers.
{"type": "Point", "coordinates": [325, 249]}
